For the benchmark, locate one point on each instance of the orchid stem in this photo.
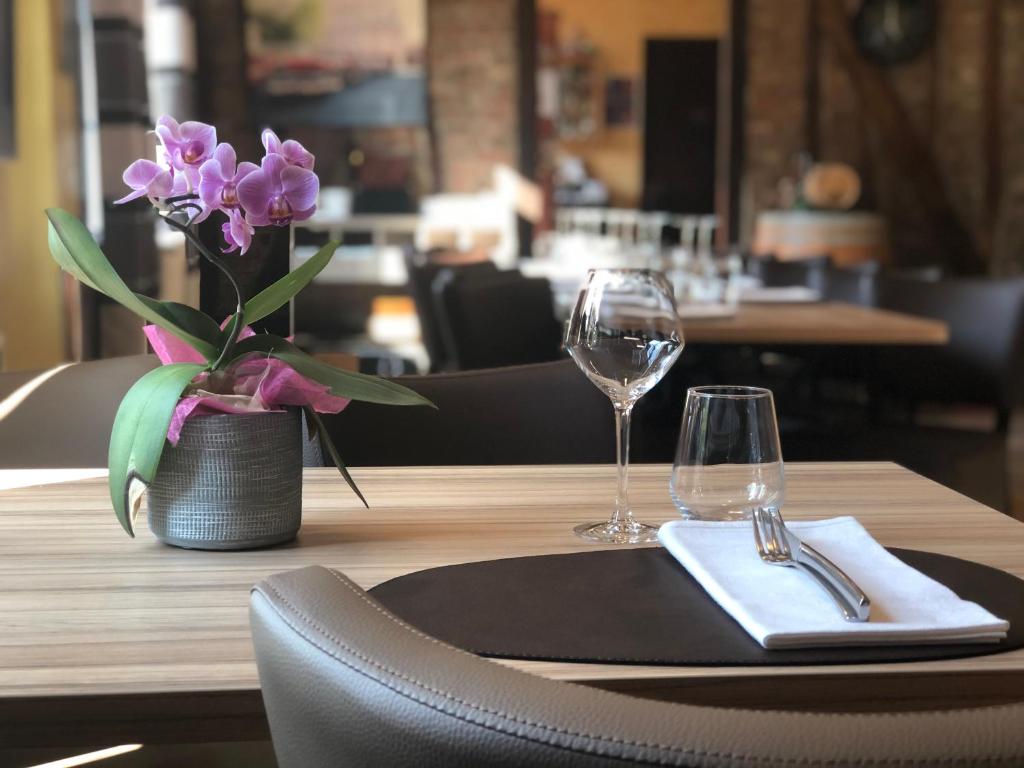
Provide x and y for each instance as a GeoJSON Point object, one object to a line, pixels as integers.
{"type": "Point", "coordinates": [238, 318]}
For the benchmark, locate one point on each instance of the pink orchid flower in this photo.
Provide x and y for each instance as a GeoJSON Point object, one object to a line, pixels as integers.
{"type": "Point", "coordinates": [148, 179]}
{"type": "Point", "coordinates": [188, 145]}
{"type": "Point", "coordinates": [237, 232]}
{"type": "Point", "coordinates": [290, 150]}
{"type": "Point", "coordinates": [218, 191]}
{"type": "Point", "coordinates": [278, 193]}
{"type": "Point", "coordinates": [218, 180]}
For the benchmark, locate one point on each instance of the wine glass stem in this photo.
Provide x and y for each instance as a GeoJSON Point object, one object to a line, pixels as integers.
{"type": "Point", "coordinates": [623, 413]}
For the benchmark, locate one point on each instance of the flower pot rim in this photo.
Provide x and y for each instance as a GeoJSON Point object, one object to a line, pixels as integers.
{"type": "Point", "coordinates": [286, 411]}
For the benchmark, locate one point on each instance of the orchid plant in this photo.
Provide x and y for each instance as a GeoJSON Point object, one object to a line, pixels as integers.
{"type": "Point", "coordinates": [210, 367]}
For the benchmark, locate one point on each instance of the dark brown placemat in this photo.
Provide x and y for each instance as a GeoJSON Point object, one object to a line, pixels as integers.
{"type": "Point", "coordinates": [639, 606]}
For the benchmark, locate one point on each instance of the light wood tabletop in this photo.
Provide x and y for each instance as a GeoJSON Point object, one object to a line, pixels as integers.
{"type": "Point", "coordinates": [815, 323]}
{"type": "Point", "coordinates": [104, 637]}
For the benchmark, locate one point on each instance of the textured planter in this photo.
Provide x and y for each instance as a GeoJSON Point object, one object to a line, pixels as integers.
{"type": "Point", "coordinates": [232, 482]}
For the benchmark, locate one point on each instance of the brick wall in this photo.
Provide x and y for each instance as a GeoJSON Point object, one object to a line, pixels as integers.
{"type": "Point", "coordinates": [472, 56]}
{"type": "Point", "coordinates": [775, 108]}
{"type": "Point", "coordinates": [943, 93]}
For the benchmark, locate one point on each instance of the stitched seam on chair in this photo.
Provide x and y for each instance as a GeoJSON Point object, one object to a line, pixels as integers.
{"type": "Point", "coordinates": [437, 692]}
{"type": "Point", "coordinates": [392, 617]}
{"type": "Point", "coordinates": [544, 727]}
{"type": "Point", "coordinates": [341, 579]}
{"type": "Point", "coordinates": [388, 615]}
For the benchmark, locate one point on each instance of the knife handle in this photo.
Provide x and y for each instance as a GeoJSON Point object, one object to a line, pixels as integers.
{"type": "Point", "coordinates": [839, 581]}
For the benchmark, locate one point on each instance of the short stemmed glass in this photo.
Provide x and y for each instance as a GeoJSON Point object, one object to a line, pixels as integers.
{"type": "Point", "coordinates": [624, 334]}
{"type": "Point", "coordinates": [729, 459]}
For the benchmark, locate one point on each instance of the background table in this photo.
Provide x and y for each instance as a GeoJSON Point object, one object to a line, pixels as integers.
{"type": "Point", "coordinates": [105, 639]}
{"type": "Point", "coordinates": [816, 323]}
{"type": "Point", "coordinates": [847, 237]}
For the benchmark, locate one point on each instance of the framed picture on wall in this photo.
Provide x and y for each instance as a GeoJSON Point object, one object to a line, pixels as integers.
{"type": "Point", "coordinates": [619, 102]}
{"type": "Point", "coordinates": [338, 63]}
{"type": "Point", "coordinates": [6, 78]}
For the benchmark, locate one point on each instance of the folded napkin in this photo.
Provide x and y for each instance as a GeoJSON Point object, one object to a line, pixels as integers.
{"type": "Point", "coordinates": [783, 607]}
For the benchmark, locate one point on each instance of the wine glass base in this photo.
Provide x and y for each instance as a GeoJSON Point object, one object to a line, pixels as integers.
{"type": "Point", "coordinates": [630, 532]}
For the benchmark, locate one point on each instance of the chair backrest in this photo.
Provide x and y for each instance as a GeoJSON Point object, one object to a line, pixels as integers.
{"type": "Point", "coordinates": [984, 360]}
{"type": "Point", "coordinates": [531, 414]}
{"type": "Point", "coordinates": [345, 682]}
{"type": "Point", "coordinates": [854, 284]}
{"type": "Point", "coordinates": [781, 274]}
{"type": "Point", "coordinates": [930, 273]}
{"type": "Point", "coordinates": [496, 319]}
{"type": "Point", "coordinates": [63, 417]}
{"type": "Point", "coordinates": [422, 270]}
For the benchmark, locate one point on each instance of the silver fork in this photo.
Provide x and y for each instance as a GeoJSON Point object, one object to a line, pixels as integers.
{"type": "Point", "coordinates": [777, 545]}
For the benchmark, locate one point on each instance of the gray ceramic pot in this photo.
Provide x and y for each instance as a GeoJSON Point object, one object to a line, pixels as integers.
{"type": "Point", "coordinates": [232, 482]}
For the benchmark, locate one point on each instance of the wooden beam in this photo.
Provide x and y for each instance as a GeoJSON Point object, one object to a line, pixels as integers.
{"type": "Point", "coordinates": [909, 154]}
{"type": "Point", "coordinates": [992, 133]}
{"type": "Point", "coordinates": [732, 117]}
{"type": "Point", "coordinates": [812, 84]}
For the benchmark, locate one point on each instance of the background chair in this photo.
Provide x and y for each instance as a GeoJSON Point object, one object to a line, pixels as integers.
{"type": "Point", "coordinates": [780, 274]}
{"type": "Point", "coordinates": [984, 360]}
{"type": "Point", "coordinates": [531, 414]}
{"type": "Point", "coordinates": [496, 319]}
{"type": "Point", "coordinates": [345, 682]}
{"type": "Point", "coordinates": [63, 417]}
{"type": "Point", "coordinates": [855, 284]}
{"type": "Point", "coordinates": [423, 268]}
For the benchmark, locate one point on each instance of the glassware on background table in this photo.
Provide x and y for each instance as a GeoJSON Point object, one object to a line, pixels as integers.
{"type": "Point", "coordinates": [624, 334]}
{"type": "Point", "coordinates": [729, 459]}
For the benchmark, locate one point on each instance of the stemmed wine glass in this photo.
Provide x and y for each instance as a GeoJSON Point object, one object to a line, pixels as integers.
{"type": "Point", "coordinates": [624, 334]}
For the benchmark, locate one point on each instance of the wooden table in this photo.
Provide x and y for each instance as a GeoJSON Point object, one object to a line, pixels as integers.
{"type": "Point", "coordinates": [104, 639]}
{"type": "Point", "coordinates": [816, 323]}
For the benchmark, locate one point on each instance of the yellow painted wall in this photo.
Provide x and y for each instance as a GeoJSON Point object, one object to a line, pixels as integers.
{"type": "Point", "coordinates": [618, 29]}
{"type": "Point", "coordinates": [31, 314]}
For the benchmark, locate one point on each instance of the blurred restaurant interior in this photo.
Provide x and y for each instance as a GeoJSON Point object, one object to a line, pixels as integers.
{"type": "Point", "coordinates": [729, 144]}
{"type": "Point", "coordinates": [834, 190]}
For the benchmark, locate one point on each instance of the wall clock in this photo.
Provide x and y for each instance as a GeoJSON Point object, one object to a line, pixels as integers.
{"type": "Point", "coordinates": [894, 31]}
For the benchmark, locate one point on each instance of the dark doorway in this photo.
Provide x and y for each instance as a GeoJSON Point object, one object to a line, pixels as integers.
{"type": "Point", "coordinates": [679, 125]}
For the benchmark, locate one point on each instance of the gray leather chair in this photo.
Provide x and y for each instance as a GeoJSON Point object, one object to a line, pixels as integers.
{"type": "Point", "coordinates": [855, 284]}
{"type": "Point", "coordinates": [808, 272]}
{"type": "Point", "coordinates": [346, 683]}
{"type": "Point", "coordinates": [984, 360]}
{"type": "Point", "coordinates": [65, 421]}
{"type": "Point", "coordinates": [495, 319]}
{"type": "Point", "coordinates": [546, 413]}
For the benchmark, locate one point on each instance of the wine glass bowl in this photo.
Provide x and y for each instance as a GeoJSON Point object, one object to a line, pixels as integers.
{"type": "Point", "coordinates": [729, 458]}
{"type": "Point", "coordinates": [624, 334]}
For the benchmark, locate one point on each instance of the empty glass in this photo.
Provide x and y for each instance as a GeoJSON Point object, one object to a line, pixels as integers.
{"type": "Point", "coordinates": [729, 460]}
{"type": "Point", "coordinates": [624, 334]}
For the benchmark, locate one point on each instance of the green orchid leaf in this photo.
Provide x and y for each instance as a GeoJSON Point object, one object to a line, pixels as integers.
{"type": "Point", "coordinates": [139, 434]}
{"type": "Point", "coordinates": [355, 386]}
{"type": "Point", "coordinates": [63, 258]}
{"type": "Point", "coordinates": [74, 248]}
{"type": "Point", "coordinates": [189, 319]}
{"type": "Point", "coordinates": [278, 294]}
{"type": "Point", "coordinates": [325, 439]}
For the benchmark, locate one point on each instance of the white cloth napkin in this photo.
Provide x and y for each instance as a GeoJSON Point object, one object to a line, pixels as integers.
{"type": "Point", "coordinates": [783, 607]}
